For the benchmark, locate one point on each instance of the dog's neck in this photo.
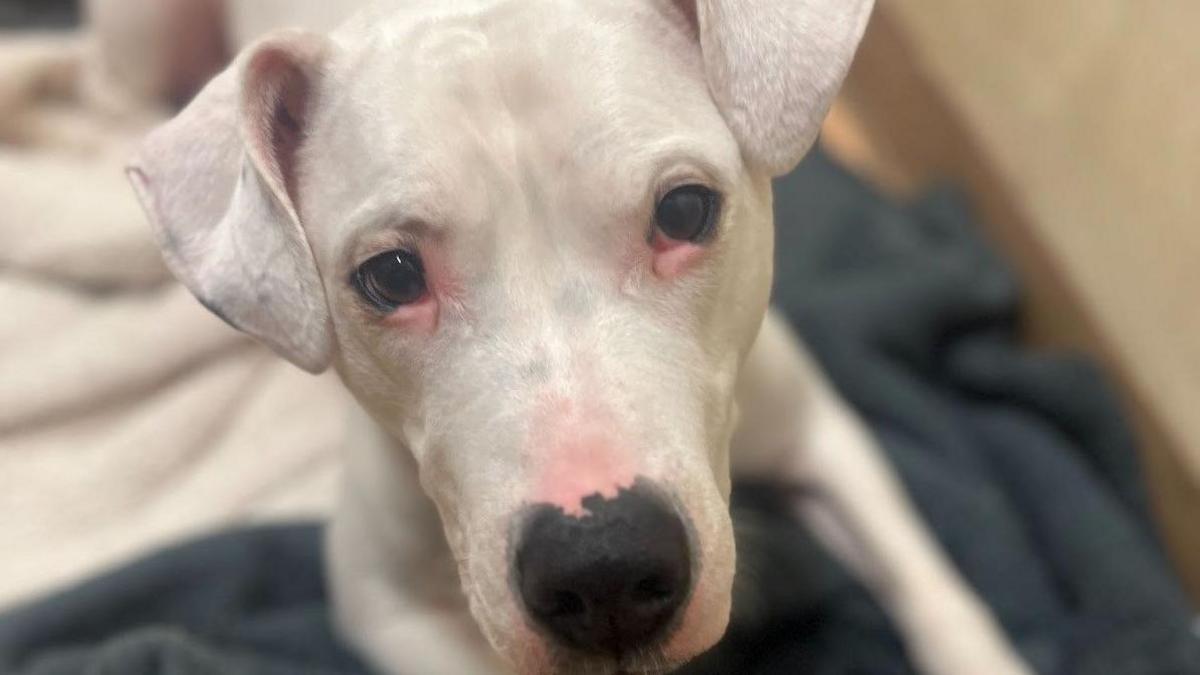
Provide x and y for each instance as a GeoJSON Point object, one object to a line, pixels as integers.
{"type": "Point", "coordinates": [380, 467]}
{"type": "Point", "coordinates": [382, 487]}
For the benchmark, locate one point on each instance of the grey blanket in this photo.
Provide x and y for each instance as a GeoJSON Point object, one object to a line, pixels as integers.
{"type": "Point", "coordinates": [1020, 461]}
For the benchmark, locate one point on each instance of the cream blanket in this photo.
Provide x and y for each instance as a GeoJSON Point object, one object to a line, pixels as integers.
{"type": "Point", "coordinates": [129, 416]}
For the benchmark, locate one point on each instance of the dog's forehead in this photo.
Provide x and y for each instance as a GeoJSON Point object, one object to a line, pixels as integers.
{"type": "Point", "coordinates": [544, 90]}
{"type": "Point", "coordinates": [551, 33]}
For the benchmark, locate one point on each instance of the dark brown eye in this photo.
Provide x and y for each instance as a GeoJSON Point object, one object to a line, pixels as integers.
{"type": "Point", "coordinates": [688, 213]}
{"type": "Point", "coordinates": [391, 279]}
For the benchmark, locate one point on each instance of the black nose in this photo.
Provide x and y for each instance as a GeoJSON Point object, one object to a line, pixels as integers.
{"type": "Point", "coordinates": [611, 580]}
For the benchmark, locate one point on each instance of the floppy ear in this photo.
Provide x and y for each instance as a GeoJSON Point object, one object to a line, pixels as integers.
{"type": "Point", "coordinates": [774, 67]}
{"type": "Point", "coordinates": [218, 183]}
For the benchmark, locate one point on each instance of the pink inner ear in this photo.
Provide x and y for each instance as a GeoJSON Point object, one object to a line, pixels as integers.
{"type": "Point", "coordinates": [690, 13]}
{"type": "Point", "coordinates": [278, 90]}
{"type": "Point", "coordinates": [287, 131]}
{"type": "Point", "coordinates": [577, 456]}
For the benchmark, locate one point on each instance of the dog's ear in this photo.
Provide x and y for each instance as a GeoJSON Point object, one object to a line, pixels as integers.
{"type": "Point", "coordinates": [774, 67]}
{"type": "Point", "coordinates": [219, 183]}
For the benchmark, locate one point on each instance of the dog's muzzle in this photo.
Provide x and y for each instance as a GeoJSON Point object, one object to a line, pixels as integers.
{"type": "Point", "coordinates": [609, 582]}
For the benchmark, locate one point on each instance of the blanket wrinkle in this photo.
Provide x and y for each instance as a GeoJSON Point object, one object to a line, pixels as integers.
{"type": "Point", "coordinates": [104, 354]}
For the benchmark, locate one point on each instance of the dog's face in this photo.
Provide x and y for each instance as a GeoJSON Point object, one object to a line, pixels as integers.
{"type": "Point", "coordinates": [505, 299]}
{"type": "Point", "coordinates": [535, 240]}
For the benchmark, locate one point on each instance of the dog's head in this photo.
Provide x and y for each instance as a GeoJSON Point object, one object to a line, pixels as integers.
{"type": "Point", "coordinates": [535, 239]}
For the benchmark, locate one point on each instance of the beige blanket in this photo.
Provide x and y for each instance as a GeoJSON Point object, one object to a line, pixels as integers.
{"type": "Point", "coordinates": [129, 416]}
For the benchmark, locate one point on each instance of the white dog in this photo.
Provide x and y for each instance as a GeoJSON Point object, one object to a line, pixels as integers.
{"type": "Point", "coordinates": [535, 238]}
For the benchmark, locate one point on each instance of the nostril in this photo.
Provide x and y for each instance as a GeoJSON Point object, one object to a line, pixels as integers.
{"type": "Point", "coordinates": [554, 604]}
{"type": "Point", "coordinates": [652, 589]}
{"type": "Point", "coordinates": [566, 604]}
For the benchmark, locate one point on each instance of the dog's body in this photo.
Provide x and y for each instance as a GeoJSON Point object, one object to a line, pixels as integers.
{"type": "Point", "coordinates": [534, 238]}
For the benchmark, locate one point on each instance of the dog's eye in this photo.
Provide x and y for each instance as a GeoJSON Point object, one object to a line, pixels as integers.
{"type": "Point", "coordinates": [391, 279]}
{"type": "Point", "coordinates": [688, 213]}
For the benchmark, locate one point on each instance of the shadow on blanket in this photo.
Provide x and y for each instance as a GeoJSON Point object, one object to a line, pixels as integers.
{"type": "Point", "coordinates": [1019, 460]}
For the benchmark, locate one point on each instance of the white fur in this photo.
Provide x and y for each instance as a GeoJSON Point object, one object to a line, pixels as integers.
{"type": "Point", "coordinates": [521, 145]}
